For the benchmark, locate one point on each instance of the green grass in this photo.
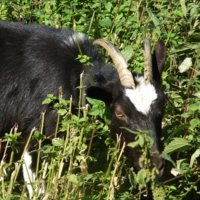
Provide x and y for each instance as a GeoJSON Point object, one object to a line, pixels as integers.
{"type": "Point", "coordinates": [96, 168]}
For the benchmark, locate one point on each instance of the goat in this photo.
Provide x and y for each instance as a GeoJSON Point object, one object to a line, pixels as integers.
{"type": "Point", "coordinates": [36, 60]}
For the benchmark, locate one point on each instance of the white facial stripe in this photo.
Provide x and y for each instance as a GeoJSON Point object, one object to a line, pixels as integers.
{"type": "Point", "coordinates": [142, 96]}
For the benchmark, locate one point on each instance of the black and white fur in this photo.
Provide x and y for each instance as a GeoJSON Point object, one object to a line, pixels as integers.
{"type": "Point", "coordinates": [36, 60]}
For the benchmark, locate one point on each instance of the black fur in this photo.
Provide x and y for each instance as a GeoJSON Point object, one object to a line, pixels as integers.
{"type": "Point", "coordinates": [36, 60]}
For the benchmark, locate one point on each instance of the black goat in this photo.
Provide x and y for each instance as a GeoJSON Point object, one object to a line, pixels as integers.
{"type": "Point", "coordinates": [36, 60]}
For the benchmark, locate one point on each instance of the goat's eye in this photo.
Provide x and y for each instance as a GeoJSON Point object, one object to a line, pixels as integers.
{"type": "Point", "coordinates": [120, 114]}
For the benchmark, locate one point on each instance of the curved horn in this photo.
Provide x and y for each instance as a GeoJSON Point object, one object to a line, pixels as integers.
{"type": "Point", "coordinates": [120, 63]}
{"type": "Point", "coordinates": [148, 76]}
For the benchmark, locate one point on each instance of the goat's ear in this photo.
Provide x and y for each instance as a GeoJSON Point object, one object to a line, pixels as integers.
{"type": "Point", "coordinates": [158, 60]}
{"type": "Point", "coordinates": [100, 93]}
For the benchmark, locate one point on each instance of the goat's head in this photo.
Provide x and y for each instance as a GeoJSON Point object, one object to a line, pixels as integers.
{"type": "Point", "coordinates": [136, 100]}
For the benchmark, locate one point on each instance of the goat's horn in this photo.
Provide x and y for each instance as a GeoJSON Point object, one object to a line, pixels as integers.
{"type": "Point", "coordinates": [120, 63]}
{"type": "Point", "coordinates": [148, 61]}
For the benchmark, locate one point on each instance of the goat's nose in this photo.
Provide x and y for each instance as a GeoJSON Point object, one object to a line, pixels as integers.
{"type": "Point", "coordinates": [159, 163]}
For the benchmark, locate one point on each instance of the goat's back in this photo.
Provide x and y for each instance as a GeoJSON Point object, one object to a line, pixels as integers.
{"type": "Point", "coordinates": [35, 61]}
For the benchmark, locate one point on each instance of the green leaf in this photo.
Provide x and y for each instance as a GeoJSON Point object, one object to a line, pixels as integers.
{"type": "Point", "coordinates": [36, 134]}
{"type": "Point", "coordinates": [134, 144]}
{"type": "Point", "coordinates": [75, 118]}
{"type": "Point", "coordinates": [182, 48]}
{"type": "Point", "coordinates": [195, 106]}
{"type": "Point", "coordinates": [84, 59]}
{"type": "Point", "coordinates": [136, 132]}
{"type": "Point", "coordinates": [94, 111]}
{"type": "Point", "coordinates": [73, 178]}
{"type": "Point", "coordinates": [141, 140]}
{"type": "Point", "coordinates": [96, 5]}
{"type": "Point", "coordinates": [183, 6]}
{"type": "Point", "coordinates": [62, 111]}
{"type": "Point", "coordinates": [50, 96]}
{"type": "Point", "coordinates": [93, 101]}
{"type": "Point", "coordinates": [177, 97]}
{"type": "Point", "coordinates": [98, 107]}
{"type": "Point", "coordinates": [106, 22]}
{"type": "Point", "coordinates": [108, 6]}
{"type": "Point", "coordinates": [197, 94]}
{"type": "Point", "coordinates": [47, 101]}
{"type": "Point", "coordinates": [57, 142]}
{"type": "Point", "coordinates": [153, 17]}
{"type": "Point", "coordinates": [167, 157]}
{"type": "Point", "coordinates": [186, 115]}
{"type": "Point", "coordinates": [132, 178]}
{"type": "Point", "coordinates": [178, 144]}
{"type": "Point", "coordinates": [141, 178]}
{"type": "Point", "coordinates": [195, 155]}
{"type": "Point", "coordinates": [185, 65]}
{"type": "Point", "coordinates": [194, 123]}
{"type": "Point", "coordinates": [127, 53]}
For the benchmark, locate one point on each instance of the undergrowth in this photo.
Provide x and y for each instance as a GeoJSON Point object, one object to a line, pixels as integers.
{"type": "Point", "coordinates": [95, 167]}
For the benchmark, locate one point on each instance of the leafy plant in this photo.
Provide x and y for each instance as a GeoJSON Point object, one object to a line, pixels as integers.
{"type": "Point", "coordinates": [96, 169]}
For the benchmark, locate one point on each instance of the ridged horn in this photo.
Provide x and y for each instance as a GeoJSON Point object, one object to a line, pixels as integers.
{"type": "Point", "coordinates": [119, 61]}
{"type": "Point", "coordinates": [148, 76]}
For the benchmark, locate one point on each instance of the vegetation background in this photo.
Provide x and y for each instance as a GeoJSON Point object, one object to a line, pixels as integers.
{"type": "Point", "coordinates": [97, 170]}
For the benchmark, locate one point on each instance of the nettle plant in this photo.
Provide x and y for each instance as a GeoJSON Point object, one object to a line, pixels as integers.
{"type": "Point", "coordinates": [125, 23]}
